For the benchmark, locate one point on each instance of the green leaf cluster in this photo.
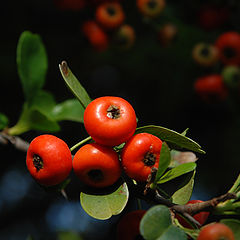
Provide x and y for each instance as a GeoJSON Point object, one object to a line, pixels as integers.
{"type": "Point", "coordinates": [40, 110]}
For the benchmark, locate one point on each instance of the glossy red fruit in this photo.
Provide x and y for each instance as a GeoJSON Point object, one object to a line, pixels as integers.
{"type": "Point", "coordinates": [216, 231]}
{"type": "Point", "coordinates": [110, 120]}
{"type": "Point", "coordinates": [211, 88]}
{"type": "Point", "coordinates": [110, 15]}
{"type": "Point", "coordinates": [49, 160]}
{"type": "Point", "coordinates": [205, 54]}
{"type": "Point", "coordinates": [128, 226]}
{"type": "Point", "coordinates": [228, 45]}
{"type": "Point", "coordinates": [95, 35]}
{"type": "Point", "coordinates": [97, 166]}
{"type": "Point", "coordinates": [151, 8]}
{"type": "Point", "coordinates": [140, 154]}
{"type": "Point", "coordinates": [200, 217]}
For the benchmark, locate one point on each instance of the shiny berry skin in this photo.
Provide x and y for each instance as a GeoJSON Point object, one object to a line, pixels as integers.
{"type": "Point", "coordinates": [140, 154]}
{"type": "Point", "coordinates": [205, 54]}
{"type": "Point", "coordinates": [110, 15]}
{"type": "Point", "coordinates": [151, 8]}
{"type": "Point", "coordinates": [96, 165]}
{"type": "Point", "coordinates": [228, 45]}
{"type": "Point", "coordinates": [125, 36]}
{"type": "Point", "coordinates": [200, 217]}
{"type": "Point", "coordinates": [129, 224]}
{"type": "Point", "coordinates": [110, 120]}
{"type": "Point", "coordinates": [216, 231]}
{"type": "Point", "coordinates": [95, 35]}
{"type": "Point", "coordinates": [211, 88]}
{"type": "Point", "coordinates": [49, 160]}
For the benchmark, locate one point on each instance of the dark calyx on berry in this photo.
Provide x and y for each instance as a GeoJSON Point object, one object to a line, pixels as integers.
{"type": "Point", "coordinates": [113, 112]}
{"type": "Point", "coordinates": [111, 11]}
{"type": "Point", "coordinates": [95, 175]}
{"type": "Point", "coordinates": [149, 159]}
{"type": "Point", "coordinates": [37, 162]}
{"type": "Point", "coordinates": [205, 51]}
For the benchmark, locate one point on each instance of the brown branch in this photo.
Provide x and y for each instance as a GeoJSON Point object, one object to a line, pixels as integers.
{"type": "Point", "coordinates": [17, 142]}
{"type": "Point", "coordinates": [206, 206]}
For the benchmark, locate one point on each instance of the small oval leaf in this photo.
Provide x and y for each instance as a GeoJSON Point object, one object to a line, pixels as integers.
{"type": "Point", "coordinates": [174, 233]}
{"type": "Point", "coordinates": [70, 110]}
{"type": "Point", "coordinates": [104, 206]}
{"type": "Point", "coordinates": [32, 63]}
{"type": "Point", "coordinates": [177, 171]}
{"type": "Point", "coordinates": [183, 195]}
{"type": "Point", "coordinates": [164, 161]}
{"type": "Point", "coordinates": [172, 137]}
{"type": "Point", "coordinates": [155, 222]}
{"type": "Point", "coordinates": [74, 85]}
{"type": "Point", "coordinates": [3, 121]}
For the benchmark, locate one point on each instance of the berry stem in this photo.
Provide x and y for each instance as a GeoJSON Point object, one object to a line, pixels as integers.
{"type": "Point", "coordinates": [80, 143]}
{"type": "Point", "coordinates": [236, 186]}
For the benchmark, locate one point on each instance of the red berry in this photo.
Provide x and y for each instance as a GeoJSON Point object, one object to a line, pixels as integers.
{"type": "Point", "coordinates": [95, 35]}
{"type": "Point", "coordinates": [205, 54]}
{"type": "Point", "coordinates": [96, 165]}
{"type": "Point", "coordinates": [125, 36]}
{"type": "Point", "coordinates": [128, 226]}
{"type": "Point", "coordinates": [49, 160]}
{"type": "Point", "coordinates": [211, 88]}
{"type": "Point", "coordinates": [228, 45]}
{"type": "Point", "coordinates": [110, 15]}
{"type": "Point", "coordinates": [211, 17]}
{"type": "Point", "coordinates": [216, 231]}
{"type": "Point", "coordinates": [73, 5]}
{"type": "Point", "coordinates": [167, 33]}
{"type": "Point", "coordinates": [151, 8]}
{"type": "Point", "coordinates": [140, 154]}
{"type": "Point", "coordinates": [110, 120]}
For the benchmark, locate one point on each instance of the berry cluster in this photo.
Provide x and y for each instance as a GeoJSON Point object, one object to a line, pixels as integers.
{"type": "Point", "coordinates": [108, 22]}
{"type": "Point", "coordinates": [226, 53]}
{"type": "Point", "coordinates": [110, 121]}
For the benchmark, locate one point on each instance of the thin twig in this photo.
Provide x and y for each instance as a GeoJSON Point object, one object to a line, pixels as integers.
{"type": "Point", "coordinates": [17, 142]}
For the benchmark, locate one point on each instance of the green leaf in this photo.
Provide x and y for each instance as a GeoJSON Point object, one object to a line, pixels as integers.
{"type": "Point", "coordinates": [104, 206]}
{"type": "Point", "coordinates": [164, 161]}
{"type": "Point", "coordinates": [33, 119]}
{"type": "Point", "coordinates": [157, 224]}
{"type": "Point", "coordinates": [167, 189]}
{"type": "Point", "coordinates": [172, 138]}
{"type": "Point", "coordinates": [74, 85]}
{"type": "Point", "coordinates": [43, 102]}
{"type": "Point", "coordinates": [234, 224]}
{"type": "Point", "coordinates": [32, 63]}
{"type": "Point", "coordinates": [183, 195]}
{"type": "Point", "coordinates": [173, 232]}
{"type": "Point", "coordinates": [70, 110]}
{"type": "Point", "coordinates": [3, 121]}
{"type": "Point", "coordinates": [177, 171]}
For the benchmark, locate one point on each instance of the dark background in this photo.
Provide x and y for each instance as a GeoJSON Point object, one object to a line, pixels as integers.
{"type": "Point", "coordinates": [156, 80]}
